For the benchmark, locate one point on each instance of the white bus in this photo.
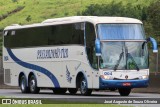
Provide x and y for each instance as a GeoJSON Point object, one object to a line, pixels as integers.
{"type": "Point", "coordinates": [80, 52]}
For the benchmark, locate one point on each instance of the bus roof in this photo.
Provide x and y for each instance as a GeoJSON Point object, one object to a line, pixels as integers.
{"type": "Point", "coordinates": [75, 19]}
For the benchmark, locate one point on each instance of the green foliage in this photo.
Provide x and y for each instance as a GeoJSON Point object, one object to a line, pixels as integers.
{"type": "Point", "coordinates": [14, 1]}
{"type": "Point", "coordinates": [116, 9]}
{"type": "Point", "coordinates": [154, 16]}
{"type": "Point", "coordinates": [28, 19]}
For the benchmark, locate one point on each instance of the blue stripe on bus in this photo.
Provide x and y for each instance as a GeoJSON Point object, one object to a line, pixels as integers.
{"type": "Point", "coordinates": [35, 67]}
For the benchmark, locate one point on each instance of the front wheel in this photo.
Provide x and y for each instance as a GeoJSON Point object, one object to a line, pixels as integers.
{"type": "Point", "coordinates": [124, 91]}
{"type": "Point", "coordinates": [83, 87]}
{"type": "Point", "coordinates": [33, 85]}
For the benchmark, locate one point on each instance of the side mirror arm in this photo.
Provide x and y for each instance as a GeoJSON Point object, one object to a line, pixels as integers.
{"type": "Point", "coordinates": [155, 49]}
{"type": "Point", "coordinates": [154, 44]}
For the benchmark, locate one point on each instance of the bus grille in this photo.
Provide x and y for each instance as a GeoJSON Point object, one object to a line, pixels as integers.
{"type": "Point", "coordinates": [125, 79]}
{"type": "Point", "coordinates": [7, 76]}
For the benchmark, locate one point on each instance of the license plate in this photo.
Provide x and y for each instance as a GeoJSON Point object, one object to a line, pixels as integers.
{"type": "Point", "coordinates": [126, 84]}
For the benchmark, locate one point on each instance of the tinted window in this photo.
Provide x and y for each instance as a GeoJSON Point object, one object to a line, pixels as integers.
{"type": "Point", "coordinates": [90, 44]}
{"type": "Point", "coordinates": [41, 36]}
{"type": "Point", "coordinates": [66, 34]}
{"type": "Point", "coordinates": [28, 37]}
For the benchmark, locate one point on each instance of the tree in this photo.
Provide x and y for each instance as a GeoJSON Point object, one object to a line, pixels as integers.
{"type": "Point", "coordinates": [154, 16]}
{"type": "Point", "coordinates": [116, 9]}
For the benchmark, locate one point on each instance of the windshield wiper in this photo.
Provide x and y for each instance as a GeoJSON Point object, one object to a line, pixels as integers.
{"type": "Point", "coordinates": [127, 55]}
{"type": "Point", "coordinates": [133, 61]}
{"type": "Point", "coordinates": [120, 57]}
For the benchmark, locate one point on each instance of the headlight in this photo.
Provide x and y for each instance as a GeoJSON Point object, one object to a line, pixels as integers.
{"type": "Point", "coordinates": [106, 77]}
{"type": "Point", "coordinates": [144, 77]}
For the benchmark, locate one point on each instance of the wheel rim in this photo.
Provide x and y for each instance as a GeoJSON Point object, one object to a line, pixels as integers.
{"type": "Point", "coordinates": [23, 84]}
{"type": "Point", "coordinates": [83, 86]}
{"type": "Point", "coordinates": [32, 85]}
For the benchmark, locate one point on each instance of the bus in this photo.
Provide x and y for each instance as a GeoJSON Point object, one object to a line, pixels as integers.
{"type": "Point", "coordinates": [78, 53]}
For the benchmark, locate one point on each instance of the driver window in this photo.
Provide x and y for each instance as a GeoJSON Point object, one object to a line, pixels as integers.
{"type": "Point", "coordinates": [90, 45]}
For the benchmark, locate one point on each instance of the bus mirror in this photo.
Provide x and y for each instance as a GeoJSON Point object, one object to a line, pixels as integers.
{"type": "Point", "coordinates": [154, 44]}
{"type": "Point", "coordinates": [98, 47]}
{"type": "Point", "coordinates": [155, 49]}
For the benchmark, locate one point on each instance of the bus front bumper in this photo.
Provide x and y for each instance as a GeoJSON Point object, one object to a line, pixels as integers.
{"type": "Point", "coordinates": [104, 84]}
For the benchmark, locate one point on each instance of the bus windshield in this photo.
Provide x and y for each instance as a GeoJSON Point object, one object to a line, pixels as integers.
{"type": "Point", "coordinates": [120, 32]}
{"type": "Point", "coordinates": [123, 56]}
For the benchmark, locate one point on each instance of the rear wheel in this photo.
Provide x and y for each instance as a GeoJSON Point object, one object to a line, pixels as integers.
{"type": "Point", "coordinates": [23, 84]}
{"type": "Point", "coordinates": [124, 91]}
{"type": "Point", "coordinates": [83, 87]}
{"type": "Point", "coordinates": [59, 90]}
{"type": "Point", "coordinates": [33, 85]}
{"type": "Point", "coordinates": [72, 90]}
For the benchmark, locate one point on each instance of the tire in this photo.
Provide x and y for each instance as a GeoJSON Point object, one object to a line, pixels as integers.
{"type": "Point", "coordinates": [23, 84]}
{"type": "Point", "coordinates": [124, 91]}
{"type": "Point", "coordinates": [33, 85]}
{"type": "Point", "coordinates": [83, 87]}
{"type": "Point", "coordinates": [72, 90]}
{"type": "Point", "coordinates": [59, 90]}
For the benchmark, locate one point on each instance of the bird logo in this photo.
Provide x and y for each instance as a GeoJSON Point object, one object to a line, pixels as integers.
{"type": "Point", "coordinates": [68, 75]}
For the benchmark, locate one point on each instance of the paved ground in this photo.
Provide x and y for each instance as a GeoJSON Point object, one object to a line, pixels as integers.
{"type": "Point", "coordinates": [49, 94]}
{"type": "Point", "coordinates": [95, 97]}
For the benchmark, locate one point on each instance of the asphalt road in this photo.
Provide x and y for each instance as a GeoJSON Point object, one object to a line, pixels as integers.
{"type": "Point", "coordinates": [95, 97]}
{"type": "Point", "coordinates": [49, 94]}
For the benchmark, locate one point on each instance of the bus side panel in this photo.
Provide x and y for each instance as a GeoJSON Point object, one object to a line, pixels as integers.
{"type": "Point", "coordinates": [11, 74]}
{"type": "Point", "coordinates": [75, 63]}
{"type": "Point", "coordinates": [95, 77]}
{"type": "Point", "coordinates": [20, 61]}
{"type": "Point", "coordinates": [71, 70]}
{"type": "Point", "coordinates": [69, 73]}
{"type": "Point", "coordinates": [56, 69]}
{"type": "Point", "coordinates": [11, 69]}
{"type": "Point", "coordinates": [42, 79]}
{"type": "Point", "coordinates": [50, 70]}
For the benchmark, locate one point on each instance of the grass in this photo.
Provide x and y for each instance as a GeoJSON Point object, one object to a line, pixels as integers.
{"type": "Point", "coordinates": [40, 10]}
{"type": "Point", "coordinates": [66, 105]}
{"type": "Point", "coordinates": [6, 6]}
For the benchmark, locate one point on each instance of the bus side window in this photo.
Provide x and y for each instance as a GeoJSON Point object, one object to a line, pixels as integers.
{"type": "Point", "coordinates": [78, 35]}
{"type": "Point", "coordinates": [65, 34]}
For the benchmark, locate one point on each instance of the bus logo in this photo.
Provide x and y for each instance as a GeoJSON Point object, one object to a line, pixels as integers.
{"type": "Point", "coordinates": [68, 75]}
{"type": "Point", "coordinates": [126, 77]}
